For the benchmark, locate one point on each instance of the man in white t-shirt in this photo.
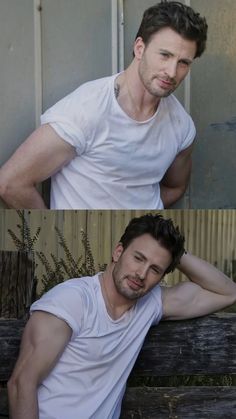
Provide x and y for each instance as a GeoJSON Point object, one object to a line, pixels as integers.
{"type": "Point", "coordinates": [84, 335]}
{"type": "Point", "coordinates": [122, 141]}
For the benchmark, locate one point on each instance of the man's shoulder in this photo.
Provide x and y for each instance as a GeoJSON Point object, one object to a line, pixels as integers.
{"type": "Point", "coordinates": [179, 118]}
{"type": "Point", "coordinates": [72, 288]}
{"type": "Point", "coordinates": [90, 96]}
{"type": "Point", "coordinates": [92, 86]}
{"type": "Point", "coordinates": [150, 305]}
{"type": "Point", "coordinates": [81, 283]}
{"type": "Point", "coordinates": [154, 296]}
{"type": "Point", "coordinates": [67, 296]}
{"type": "Point", "coordinates": [174, 105]}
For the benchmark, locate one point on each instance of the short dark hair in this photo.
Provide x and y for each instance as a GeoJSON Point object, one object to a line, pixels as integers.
{"type": "Point", "coordinates": [162, 230]}
{"type": "Point", "coordinates": [177, 16]}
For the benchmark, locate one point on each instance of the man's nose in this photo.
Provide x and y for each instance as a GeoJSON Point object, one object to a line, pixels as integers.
{"type": "Point", "coordinates": [171, 69]}
{"type": "Point", "coordinates": [142, 272]}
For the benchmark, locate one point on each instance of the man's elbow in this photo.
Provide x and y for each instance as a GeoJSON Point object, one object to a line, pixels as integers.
{"type": "Point", "coordinates": [5, 186]}
{"type": "Point", "coordinates": [13, 186]}
{"type": "Point", "coordinates": [233, 297]}
{"type": "Point", "coordinates": [15, 386]}
{"type": "Point", "coordinates": [12, 386]}
{"type": "Point", "coordinates": [8, 188]}
{"type": "Point", "coordinates": [21, 383]}
{"type": "Point", "coordinates": [16, 380]}
{"type": "Point", "coordinates": [180, 191]}
{"type": "Point", "coordinates": [230, 298]}
{"type": "Point", "coordinates": [170, 194]}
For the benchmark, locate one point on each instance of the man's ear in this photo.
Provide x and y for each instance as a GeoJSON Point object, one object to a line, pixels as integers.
{"type": "Point", "coordinates": [139, 48]}
{"type": "Point", "coordinates": [117, 252]}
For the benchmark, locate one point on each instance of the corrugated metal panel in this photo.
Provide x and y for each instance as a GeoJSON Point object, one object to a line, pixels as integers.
{"type": "Point", "coordinates": [210, 234]}
{"type": "Point", "coordinates": [17, 74]}
{"type": "Point", "coordinates": [76, 45]}
{"type": "Point", "coordinates": [213, 104]}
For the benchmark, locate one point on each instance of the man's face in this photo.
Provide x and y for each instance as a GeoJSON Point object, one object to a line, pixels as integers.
{"type": "Point", "coordinates": [164, 62]}
{"type": "Point", "coordinates": [139, 267]}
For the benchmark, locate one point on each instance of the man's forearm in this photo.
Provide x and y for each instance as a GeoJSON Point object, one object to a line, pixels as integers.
{"type": "Point", "coordinates": [23, 198]}
{"type": "Point", "coordinates": [23, 403]}
{"type": "Point", "coordinates": [206, 275]}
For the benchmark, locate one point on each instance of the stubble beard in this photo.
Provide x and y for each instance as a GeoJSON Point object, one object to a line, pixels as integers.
{"type": "Point", "coordinates": [124, 290]}
{"type": "Point", "coordinates": [147, 82]}
{"type": "Point", "coordinates": [157, 92]}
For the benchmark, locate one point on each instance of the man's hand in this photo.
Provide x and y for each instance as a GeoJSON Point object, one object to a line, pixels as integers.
{"type": "Point", "coordinates": [40, 156]}
{"type": "Point", "coordinates": [175, 181]}
{"type": "Point", "coordinates": [43, 342]}
{"type": "Point", "coordinates": [209, 290]}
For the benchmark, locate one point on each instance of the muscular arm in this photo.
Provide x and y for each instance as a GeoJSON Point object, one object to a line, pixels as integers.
{"type": "Point", "coordinates": [209, 290]}
{"type": "Point", "coordinates": [40, 156]}
{"type": "Point", "coordinates": [175, 181]}
{"type": "Point", "coordinates": [44, 340]}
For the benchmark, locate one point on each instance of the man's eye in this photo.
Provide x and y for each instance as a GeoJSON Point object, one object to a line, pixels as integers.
{"type": "Point", "coordinates": [156, 271]}
{"type": "Point", "coordinates": [184, 63]}
{"type": "Point", "coordinates": [137, 257]}
{"type": "Point", "coordinates": [164, 54]}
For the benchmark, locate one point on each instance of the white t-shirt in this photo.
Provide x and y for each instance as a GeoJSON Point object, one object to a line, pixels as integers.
{"type": "Point", "coordinates": [88, 382]}
{"type": "Point", "coordinates": [119, 161]}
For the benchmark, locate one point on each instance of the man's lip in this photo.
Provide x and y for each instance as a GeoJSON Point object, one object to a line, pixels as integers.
{"type": "Point", "coordinates": [134, 283]}
{"type": "Point", "coordinates": [167, 83]}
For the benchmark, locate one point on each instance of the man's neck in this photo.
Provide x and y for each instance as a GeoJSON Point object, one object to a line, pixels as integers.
{"type": "Point", "coordinates": [116, 304]}
{"type": "Point", "coordinates": [133, 97]}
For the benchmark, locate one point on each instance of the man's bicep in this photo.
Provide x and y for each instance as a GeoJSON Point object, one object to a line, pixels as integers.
{"type": "Point", "coordinates": [179, 171]}
{"type": "Point", "coordinates": [44, 339]}
{"type": "Point", "coordinates": [178, 301]}
{"type": "Point", "coordinates": [41, 155]}
{"type": "Point", "coordinates": [187, 300]}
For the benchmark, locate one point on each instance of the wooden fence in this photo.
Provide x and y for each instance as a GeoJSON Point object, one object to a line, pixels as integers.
{"type": "Point", "coordinates": [210, 234]}
{"type": "Point", "coordinates": [17, 284]}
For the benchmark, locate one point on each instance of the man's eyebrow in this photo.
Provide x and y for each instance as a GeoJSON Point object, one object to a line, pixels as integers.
{"type": "Point", "coordinates": [141, 255]}
{"type": "Point", "coordinates": [166, 51]}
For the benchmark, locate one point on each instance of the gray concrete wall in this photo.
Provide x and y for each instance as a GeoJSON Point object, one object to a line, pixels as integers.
{"type": "Point", "coordinates": [213, 107]}
{"type": "Point", "coordinates": [76, 45]}
{"type": "Point", "coordinates": [17, 73]}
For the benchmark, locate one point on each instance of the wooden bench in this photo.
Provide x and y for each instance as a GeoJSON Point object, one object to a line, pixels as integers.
{"type": "Point", "coordinates": [204, 346]}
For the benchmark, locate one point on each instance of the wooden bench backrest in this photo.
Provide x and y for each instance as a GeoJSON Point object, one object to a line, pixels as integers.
{"type": "Point", "coordinates": [200, 346]}
{"type": "Point", "coordinates": [194, 347]}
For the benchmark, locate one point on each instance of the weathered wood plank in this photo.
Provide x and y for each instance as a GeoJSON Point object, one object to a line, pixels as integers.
{"type": "Point", "coordinates": [205, 345]}
{"type": "Point", "coordinates": [170, 403]}
{"type": "Point", "coordinates": [201, 346]}
{"type": "Point", "coordinates": [179, 403]}
{"type": "Point", "coordinates": [17, 283]}
{"type": "Point", "coordinates": [10, 336]}
{"type": "Point", "coordinates": [3, 403]}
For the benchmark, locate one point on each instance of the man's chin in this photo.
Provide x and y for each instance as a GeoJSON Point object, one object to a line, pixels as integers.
{"type": "Point", "coordinates": [133, 295]}
{"type": "Point", "coordinates": [164, 93]}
